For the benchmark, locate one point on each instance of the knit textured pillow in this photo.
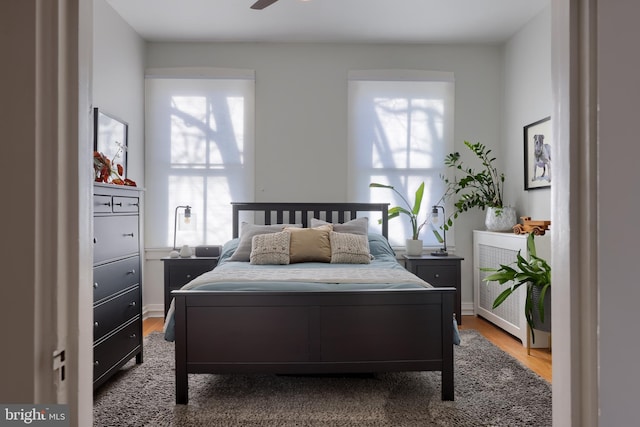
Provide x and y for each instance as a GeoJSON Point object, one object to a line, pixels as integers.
{"type": "Point", "coordinates": [272, 248]}
{"type": "Point", "coordinates": [247, 231]}
{"type": "Point", "coordinates": [347, 248]}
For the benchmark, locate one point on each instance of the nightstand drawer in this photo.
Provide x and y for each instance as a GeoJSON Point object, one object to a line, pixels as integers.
{"type": "Point", "coordinates": [180, 275]}
{"type": "Point", "coordinates": [440, 275]}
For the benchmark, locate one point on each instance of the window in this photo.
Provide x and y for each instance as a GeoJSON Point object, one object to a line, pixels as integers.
{"type": "Point", "coordinates": [400, 130]}
{"type": "Point", "coordinates": [199, 152]}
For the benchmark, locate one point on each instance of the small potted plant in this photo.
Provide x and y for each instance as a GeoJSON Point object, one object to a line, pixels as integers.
{"type": "Point", "coordinates": [482, 188]}
{"type": "Point", "coordinates": [414, 245]}
{"type": "Point", "coordinates": [535, 273]}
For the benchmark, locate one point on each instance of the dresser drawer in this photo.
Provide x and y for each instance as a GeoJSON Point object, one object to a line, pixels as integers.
{"type": "Point", "coordinates": [102, 203]}
{"type": "Point", "coordinates": [125, 204]}
{"type": "Point", "coordinates": [112, 313]}
{"type": "Point", "coordinates": [113, 277]}
{"type": "Point", "coordinates": [114, 237]}
{"type": "Point", "coordinates": [438, 275]}
{"type": "Point", "coordinates": [119, 347]}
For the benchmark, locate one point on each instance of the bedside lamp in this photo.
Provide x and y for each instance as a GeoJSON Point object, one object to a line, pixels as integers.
{"type": "Point", "coordinates": [187, 219]}
{"type": "Point", "coordinates": [435, 220]}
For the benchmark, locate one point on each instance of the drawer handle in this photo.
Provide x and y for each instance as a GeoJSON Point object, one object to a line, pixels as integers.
{"type": "Point", "coordinates": [132, 304]}
{"type": "Point", "coordinates": [95, 285]}
{"type": "Point", "coordinates": [95, 240]}
{"type": "Point", "coordinates": [188, 276]}
{"type": "Point", "coordinates": [132, 271]}
{"type": "Point", "coordinates": [106, 204]}
{"type": "Point", "coordinates": [117, 204]}
{"type": "Point", "coordinates": [96, 363]}
{"type": "Point", "coordinates": [95, 324]}
{"type": "Point", "coordinates": [128, 235]}
{"type": "Point", "coordinates": [132, 336]}
{"type": "Point", "coordinates": [436, 275]}
{"type": "Point", "coordinates": [133, 204]}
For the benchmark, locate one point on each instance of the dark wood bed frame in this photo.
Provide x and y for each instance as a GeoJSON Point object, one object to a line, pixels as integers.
{"type": "Point", "coordinates": [225, 332]}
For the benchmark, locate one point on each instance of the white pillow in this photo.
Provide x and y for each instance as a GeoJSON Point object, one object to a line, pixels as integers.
{"type": "Point", "coordinates": [347, 248]}
{"type": "Point", "coordinates": [272, 248]}
{"type": "Point", "coordinates": [247, 231]}
{"type": "Point", "coordinates": [355, 226]}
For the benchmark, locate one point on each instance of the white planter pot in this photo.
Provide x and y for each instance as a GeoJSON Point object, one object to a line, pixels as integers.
{"type": "Point", "coordinates": [414, 247]}
{"type": "Point", "coordinates": [500, 219]}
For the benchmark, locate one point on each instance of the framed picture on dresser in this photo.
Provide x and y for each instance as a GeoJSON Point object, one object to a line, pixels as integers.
{"type": "Point", "coordinates": [110, 137]}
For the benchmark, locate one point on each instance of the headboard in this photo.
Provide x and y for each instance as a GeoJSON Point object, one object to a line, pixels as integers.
{"type": "Point", "coordinates": [302, 212]}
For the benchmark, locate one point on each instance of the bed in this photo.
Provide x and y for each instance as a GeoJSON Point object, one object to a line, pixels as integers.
{"type": "Point", "coordinates": [310, 327]}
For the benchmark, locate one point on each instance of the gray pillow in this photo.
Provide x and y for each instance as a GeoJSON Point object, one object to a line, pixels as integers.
{"type": "Point", "coordinates": [247, 231]}
{"type": "Point", "coordinates": [355, 226]}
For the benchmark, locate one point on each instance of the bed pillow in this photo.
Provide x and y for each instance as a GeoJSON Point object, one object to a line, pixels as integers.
{"type": "Point", "coordinates": [379, 245]}
{"type": "Point", "coordinates": [247, 231]}
{"type": "Point", "coordinates": [271, 248]}
{"type": "Point", "coordinates": [355, 226]}
{"type": "Point", "coordinates": [310, 244]}
{"type": "Point", "coordinates": [347, 248]}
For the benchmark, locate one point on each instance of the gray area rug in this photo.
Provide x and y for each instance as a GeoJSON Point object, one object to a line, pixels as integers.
{"type": "Point", "coordinates": [491, 389]}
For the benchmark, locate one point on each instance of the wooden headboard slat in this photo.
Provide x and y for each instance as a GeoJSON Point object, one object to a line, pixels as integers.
{"type": "Point", "coordinates": [304, 209]}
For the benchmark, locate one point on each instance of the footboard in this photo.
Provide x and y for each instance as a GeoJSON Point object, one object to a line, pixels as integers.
{"type": "Point", "coordinates": [314, 332]}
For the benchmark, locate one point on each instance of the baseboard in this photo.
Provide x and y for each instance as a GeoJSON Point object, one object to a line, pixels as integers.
{"type": "Point", "coordinates": [468, 309]}
{"type": "Point", "coordinates": [152, 310]}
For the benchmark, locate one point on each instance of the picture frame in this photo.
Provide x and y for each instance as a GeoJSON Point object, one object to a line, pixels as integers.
{"type": "Point", "coordinates": [111, 138]}
{"type": "Point", "coordinates": [537, 154]}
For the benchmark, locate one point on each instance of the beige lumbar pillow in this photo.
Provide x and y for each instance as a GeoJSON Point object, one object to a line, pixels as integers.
{"type": "Point", "coordinates": [272, 248]}
{"type": "Point", "coordinates": [310, 244]}
{"type": "Point", "coordinates": [347, 248]}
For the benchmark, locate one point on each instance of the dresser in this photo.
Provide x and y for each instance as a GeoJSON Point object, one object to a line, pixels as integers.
{"type": "Point", "coordinates": [117, 294]}
{"type": "Point", "coordinates": [439, 271]}
{"type": "Point", "coordinates": [180, 271]}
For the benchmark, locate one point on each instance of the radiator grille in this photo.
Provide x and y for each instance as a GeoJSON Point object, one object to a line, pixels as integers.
{"type": "Point", "coordinates": [491, 256]}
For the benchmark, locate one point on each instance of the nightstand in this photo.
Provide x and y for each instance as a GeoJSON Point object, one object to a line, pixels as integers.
{"type": "Point", "coordinates": [439, 271]}
{"type": "Point", "coordinates": [180, 271]}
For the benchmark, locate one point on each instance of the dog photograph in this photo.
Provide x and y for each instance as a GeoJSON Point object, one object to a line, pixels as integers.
{"type": "Point", "coordinates": [537, 154]}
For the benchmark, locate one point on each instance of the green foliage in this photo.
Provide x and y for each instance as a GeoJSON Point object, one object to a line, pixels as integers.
{"type": "Point", "coordinates": [534, 272]}
{"type": "Point", "coordinates": [472, 188]}
{"type": "Point", "coordinates": [412, 211]}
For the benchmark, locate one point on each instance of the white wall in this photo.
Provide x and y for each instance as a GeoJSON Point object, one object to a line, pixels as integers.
{"type": "Point", "coordinates": [301, 110]}
{"type": "Point", "coordinates": [118, 79]}
{"type": "Point", "coordinates": [527, 99]}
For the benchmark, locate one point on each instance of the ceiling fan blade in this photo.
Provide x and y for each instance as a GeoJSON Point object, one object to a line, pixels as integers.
{"type": "Point", "coordinates": [261, 4]}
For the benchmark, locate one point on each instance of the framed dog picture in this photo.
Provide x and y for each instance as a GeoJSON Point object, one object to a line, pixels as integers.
{"type": "Point", "coordinates": [537, 154]}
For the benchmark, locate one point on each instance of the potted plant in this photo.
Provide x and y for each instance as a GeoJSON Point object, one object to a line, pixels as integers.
{"type": "Point", "coordinates": [481, 189]}
{"type": "Point", "coordinates": [535, 273]}
{"type": "Point", "coordinates": [414, 245]}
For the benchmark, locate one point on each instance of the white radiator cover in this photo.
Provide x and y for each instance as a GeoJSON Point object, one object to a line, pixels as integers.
{"type": "Point", "coordinates": [491, 249]}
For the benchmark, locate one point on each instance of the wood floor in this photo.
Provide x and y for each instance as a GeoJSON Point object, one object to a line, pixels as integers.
{"type": "Point", "coordinates": [539, 361]}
